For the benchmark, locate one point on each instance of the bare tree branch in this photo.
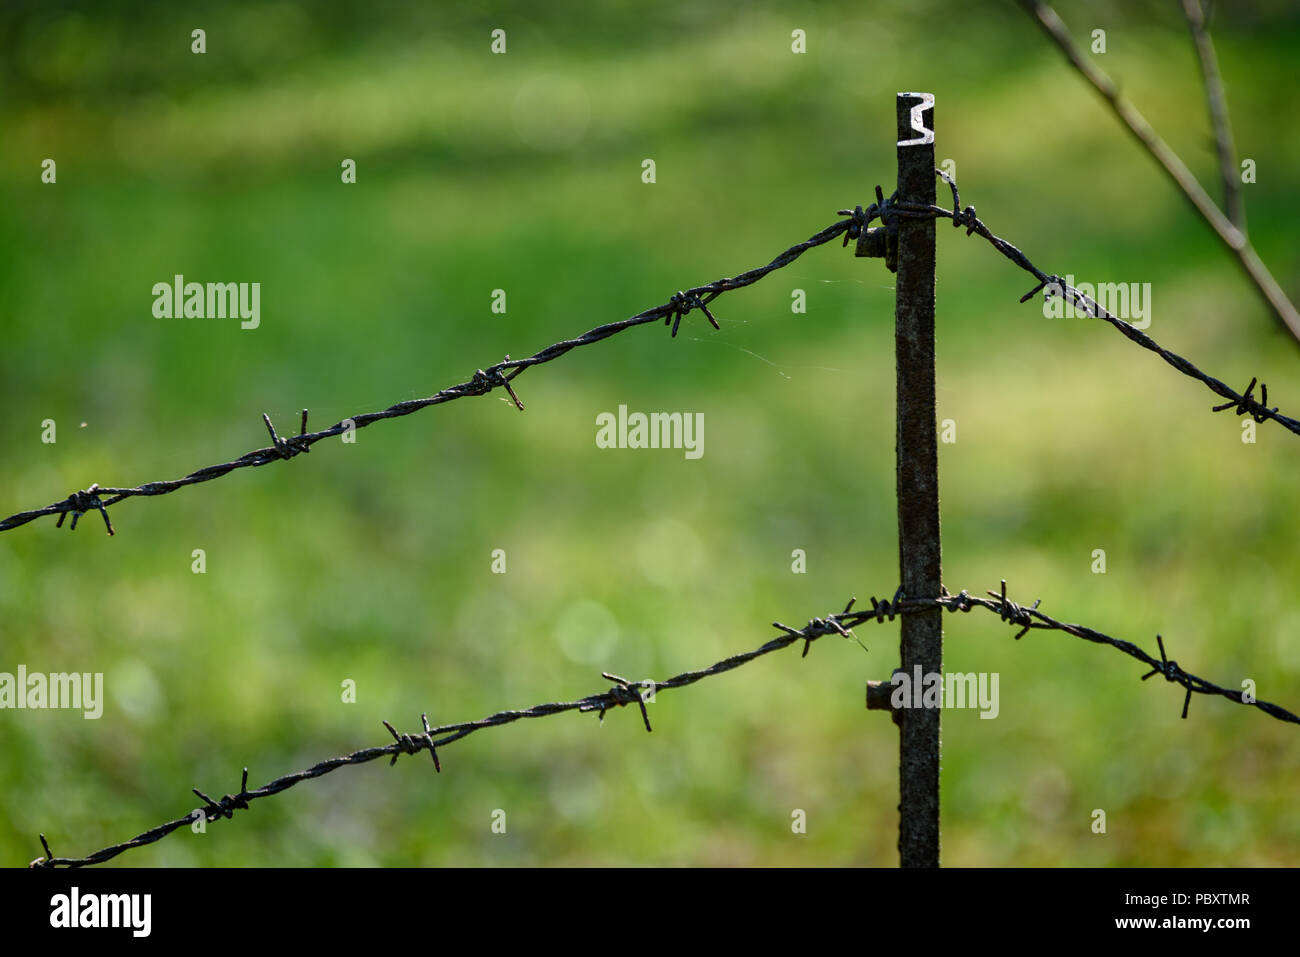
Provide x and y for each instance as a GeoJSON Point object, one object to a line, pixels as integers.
{"type": "Point", "coordinates": [1218, 106]}
{"type": "Point", "coordinates": [1232, 237]}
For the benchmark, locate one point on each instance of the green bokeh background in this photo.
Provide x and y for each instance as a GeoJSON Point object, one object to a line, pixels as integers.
{"type": "Point", "coordinates": [522, 172]}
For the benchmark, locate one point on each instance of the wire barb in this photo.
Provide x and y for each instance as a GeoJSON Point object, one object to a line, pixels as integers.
{"type": "Point", "coordinates": [47, 860]}
{"type": "Point", "coordinates": [487, 381]}
{"type": "Point", "coordinates": [412, 744]}
{"type": "Point", "coordinates": [1010, 611]}
{"type": "Point", "coordinates": [624, 692]}
{"type": "Point", "coordinates": [955, 603]}
{"type": "Point", "coordinates": [286, 447]}
{"type": "Point", "coordinates": [959, 216]}
{"type": "Point", "coordinates": [888, 608]}
{"type": "Point", "coordinates": [859, 220]}
{"type": "Point", "coordinates": [229, 803]}
{"type": "Point", "coordinates": [1173, 673]}
{"type": "Point", "coordinates": [78, 503]}
{"type": "Point", "coordinates": [1246, 404]}
{"type": "Point", "coordinates": [683, 302]}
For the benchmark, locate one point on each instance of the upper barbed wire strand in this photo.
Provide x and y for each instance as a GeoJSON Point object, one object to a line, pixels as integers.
{"type": "Point", "coordinates": [699, 297]}
{"type": "Point", "coordinates": [482, 382]}
{"type": "Point", "coordinates": [1243, 403]}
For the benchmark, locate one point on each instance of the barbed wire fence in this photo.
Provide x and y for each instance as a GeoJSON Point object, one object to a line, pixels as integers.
{"type": "Point", "coordinates": [889, 211]}
{"type": "Point", "coordinates": [904, 248]}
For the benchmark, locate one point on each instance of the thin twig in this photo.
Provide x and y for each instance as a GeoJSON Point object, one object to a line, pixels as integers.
{"type": "Point", "coordinates": [1231, 236]}
{"type": "Point", "coordinates": [1217, 102]}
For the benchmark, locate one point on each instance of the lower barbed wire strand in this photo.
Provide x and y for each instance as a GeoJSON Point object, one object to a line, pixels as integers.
{"type": "Point", "coordinates": [624, 692]}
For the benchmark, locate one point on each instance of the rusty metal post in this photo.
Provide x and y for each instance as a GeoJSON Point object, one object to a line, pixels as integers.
{"type": "Point", "coordinates": [918, 482]}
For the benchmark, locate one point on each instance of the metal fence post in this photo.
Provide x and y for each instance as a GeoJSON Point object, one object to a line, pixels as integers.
{"type": "Point", "coordinates": [918, 482]}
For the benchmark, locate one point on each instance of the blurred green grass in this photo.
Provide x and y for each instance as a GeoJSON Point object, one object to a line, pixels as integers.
{"type": "Point", "coordinates": [372, 562]}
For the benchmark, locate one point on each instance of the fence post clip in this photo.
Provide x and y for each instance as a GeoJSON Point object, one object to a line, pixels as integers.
{"type": "Point", "coordinates": [879, 242]}
{"type": "Point", "coordinates": [880, 697]}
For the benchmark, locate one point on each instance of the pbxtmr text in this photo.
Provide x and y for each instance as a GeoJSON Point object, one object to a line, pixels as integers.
{"type": "Point", "coordinates": [1157, 900]}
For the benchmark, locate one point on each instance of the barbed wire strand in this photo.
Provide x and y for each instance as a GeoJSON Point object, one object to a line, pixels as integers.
{"type": "Point", "coordinates": [1243, 403]}
{"type": "Point", "coordinates": [481, 383]}
{"type": "Point", "coordinates": [625, 692]}
{"type": "Point", "coordinates": [1030, 618]}
{"type": "Point", "coordinates": [672, 312]}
